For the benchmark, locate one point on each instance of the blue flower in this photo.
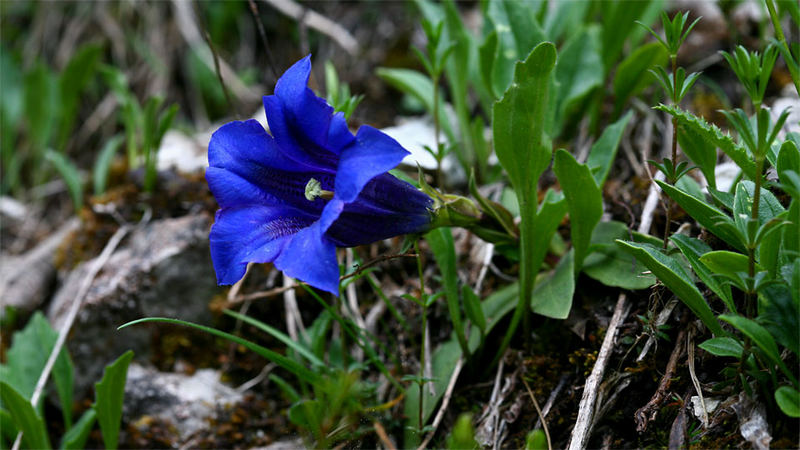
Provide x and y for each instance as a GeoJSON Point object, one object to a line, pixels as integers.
{"type": "Point", "coordinates": [292, 197]}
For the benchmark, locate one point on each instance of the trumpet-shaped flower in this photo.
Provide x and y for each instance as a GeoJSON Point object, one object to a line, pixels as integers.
{"type": "Point", "coordinates": [292, 196]}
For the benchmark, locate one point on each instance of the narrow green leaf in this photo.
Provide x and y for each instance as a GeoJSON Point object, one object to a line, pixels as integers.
{"type": "Point", "coordinates": [284, 362]}
{"type": "Point", "coordinates": [713, 136]}
{"type": "Point", "coordinates": [723, 346]}
{"type": "Point", "coordinates": [705, 214]}
{"type": "Point", "coordinates": [788, 159]}
{"type": "Point", "coordinates": [109, 394]}
{"type": "Point", "coordinates": [612, 266]}
{"type": "Point", "coordinates": [761, 337]}
{"type": "Point", "coordinates": [76, 75]}
{"type": "Point", "coordinates": [693, 249]}
{"type": "Point", "coordinates": [103, 163]}
{"type": "Point", "coordinates": [670, 272]}
{"type": "Point", "coordinates": [277, 334]}
{"type": "Point", "coordinates": [472, 307]}
{"type": "Point", "coordinates": [487, 54]}
{"type": "Point", "coordinates": [42, 104]}
{"type": "Point", "coordinates": [76, 437]}
{"type": "Point", "coordinates": [619, 23]}
{"type": "Point", "coordinates": [443, 248]}
{"type": "Point", "coordinates": [418, 86]}
{"type": "Point", "coordinates": [72, 178]}
{"type": "Point", "coordinates": [579, 71]}
{"type": "Point", "coordinates": [701, 152]}
{"type": "Point", "coordinates": [788, 399]}
{"type": "Point", "coordinates": [25, 417]}
{"type": "Point", "coordinates": [603, 152]}
{"type": "Point", "coordinates": [553, 296]}
{"type": "Point", "coordinates": [584, 201]}
{"type": "Point", "coordinates": [727, 263]}
{"type": "Point", "coordinates": [632, 74]}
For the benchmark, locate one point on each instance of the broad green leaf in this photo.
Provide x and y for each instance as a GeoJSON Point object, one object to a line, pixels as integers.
{"type": "Point", "coordinates": [727, 263]}
{"type": "Point", "coordinates": [713, 136]}
{"type": "Point", "coordinates": [609, 264]}
{"type": "Point", "coordinates": [109, 393]}
{"type": "Point", "coordinates": [25, 417]}
{"type": "Point", "coordinates": [723, 346]}
{"type": "Point", "coordinates": [705, 214]}
{"type": "Point", "coordinates": [487, 53]}
{"type": "Point", "coordinates": [551, 213]}
{"type": "Point", "coordinates": [693, 249]}
{"type": "Point", "coordinates": [779, 312]}
{"type": "Point", "coordinates": [672, 274]}
{"type": "Point", "coordinates": [103, 163]}
{"type": "Point", "coordinates": [603, 152]}
{"type": "Point", "coordinates": [553, 296]}
{"type": "Point", "coordinates": [632, 74]}
{"type": "Point", "coordinates": [701, 152]}
{"type": "Point", "coordinates": [788, 399]}
{"type": "Point", "coordinates": [788, 159]}
{"type": "Point", "coordinates": [418, 86]}
{"type": "Point", "coordinates": [76, 437]}
{"type": "Point", "coordinates": [69, 172]}
{"type": "Point", "coordinates": [536, 440]}
{"type": "Point", "coordinates": [564, 18]}
{"type": "Point", "coordinates": [443, 248]}
{"type": "Point", "coordinates": [78, 72]}
{"type": "Point", "coordinates": [293, 367]}
{"type": "Point", "coordinates": [472, 307]}
{"type": "Point", "coordinates": [517, 33]}
{"type": "Point", "coordinates": [41, 104]}
{"type": "Point", "coordinates": [8, 431]}
{"type": "Point", "coordinates": [579, 71]}
{"type": "Point", "coordinates": [761, 337]}
{"type": "Point", "coordinates": [619, 23]}
{"type": "Point", "coordinates": [768, 207]}
{"type": "Point", "coordinates": [463, 434]}
{"type": "Point", "coordinates": [524, 151]}
{"type": "Point", "coordinates": [584, 201]}
{"type": "Point", "coordinates": [277, 334]}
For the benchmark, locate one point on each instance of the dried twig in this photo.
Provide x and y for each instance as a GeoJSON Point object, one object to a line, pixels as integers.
{"type": "Point", "coordinates": [693, 375]}
{"type": "Point", "coordinates": [318, 22]}
{"type": "Point", "coordinates": [648, 412]}
{"type": "Point", "coordinates": [539, 411]}
{"type": "Point", "coordinates": [385, 439]}
{"type": "Point", "coordinates": [582, 429]}
{"type": "Point", "coordinates": [94, 269]}
{"type": "Point", "coordinates": [380, 259]}
{"type": "Point", "coordinates": [293, 319]}
{"type": "Point", "coordinates": [448, 393]}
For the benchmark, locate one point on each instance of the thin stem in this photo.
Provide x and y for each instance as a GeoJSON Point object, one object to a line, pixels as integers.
{"type": "Point", "coordinates": [773, 14]}
{"type": "Point", "coordinates": [424, 304]}
{"type": "Point", "coordinates": [668, 202]}
{"type": "Point", "coordinates": [438, 150]}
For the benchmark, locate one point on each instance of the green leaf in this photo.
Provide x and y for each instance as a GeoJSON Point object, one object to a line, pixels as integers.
{"type": "Point", "coordinates": [670, 272]}
{"type": "Point", "coordinates": [42, 104]}
{"type": "Point", "coordinates": [103, 163]}
{"type": "Point", "coordinates": [553, 296]}
{"type": "Point", "coordinates": [603, 152]}
{"type": "Point", "coordinates": [472, 307]}
{"type": "Point", "coordinates": [487, 53]}
{"type": "Point", "coordinates": [788, 399]}
{"type": "Point", "coordinates": [693, 249]}
{"type": "Point", "coordinates": [579, 71]}
{"type": "Point", "coordinates": [443, 248]}
{"type": "Point", "coordinates": [768, 208]}
{"type": "Point", "coordinates": [78, 72]}
{"type": "Point", "coordinates": [536, 440]}
{"type": "Point", "coordinates": [524, 151]}
{"type": "Point", "coordinates": [779, 313]}
{"type": "Point", "coordinates": [72, 178]}
{"type": "Point", "coordinates": [109, 393]}
{"type": "Point", "coordinates": [723, 346]}
{"type": "Point", "coordinates": [705, 214]}
{"type": "Point", "coordinates": [418, 86]}
{"type": "Point", "coordinates": [25, 417]}
{"type": "Point", "coordinates": [761, 337]}
{"type": "Point", "coordinates": [609, 264]}
{"type": "Point", "coordinates": [788, 159]}
{"type": "Point", "coordinates": [463, 434]}
{"type": "Point", "coordinates": [619, 23]}
{"type": "Point", "coordinates": [282, 361]}
{"type": "Point", "coordinates": [633, 75]}
{"type": "Point", "coordinates": [713, 136]}
{"type": "Point", "coordinates": [584, 201]}
{"type": "Point", "coordinates": [76, 437]}
{"type": "Point", "coordinates": [701, 152]}
{"type": "Point", "coordinates": [277, 334]}
{"type": "Point", "coordinates": [727, 263]}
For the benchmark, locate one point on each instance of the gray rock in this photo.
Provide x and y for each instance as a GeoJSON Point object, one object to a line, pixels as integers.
{"type": "Point", "coordinates": [164, 269]}
{"type": "Point", "coordinates": [185, 402]}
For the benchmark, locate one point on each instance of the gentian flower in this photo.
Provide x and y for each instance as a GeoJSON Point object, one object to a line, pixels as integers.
{"type": "Point", "coordinates": [291, 197]}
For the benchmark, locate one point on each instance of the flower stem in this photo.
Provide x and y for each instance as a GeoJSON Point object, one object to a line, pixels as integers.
{"type": "Point", "coordinates": [424, 304]}
{"type": "Point", "coordinates": [773, 14]}
{"type": "Point", "coordinates": [438, 150]}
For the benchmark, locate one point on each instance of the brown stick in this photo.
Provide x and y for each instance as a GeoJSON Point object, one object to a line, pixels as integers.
{"type": "Point", "coordinates": [648, 412]}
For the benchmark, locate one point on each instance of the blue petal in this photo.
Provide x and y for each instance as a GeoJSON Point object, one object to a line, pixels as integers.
{"type": "Point", "coordinates": [237, 145]}
{"type": "Point", "coordinates": [310, 113]}
{"type": "Point", "coordinates": [293, 142]}
{"type": "Point", "coordinates": [339, 135]}
{"type": "Point", "coordinates": [311, 257]}
{"type": "Point", "coordinates": [372, 154]}
{"type": "Point", "coordinates": [251, 234]}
